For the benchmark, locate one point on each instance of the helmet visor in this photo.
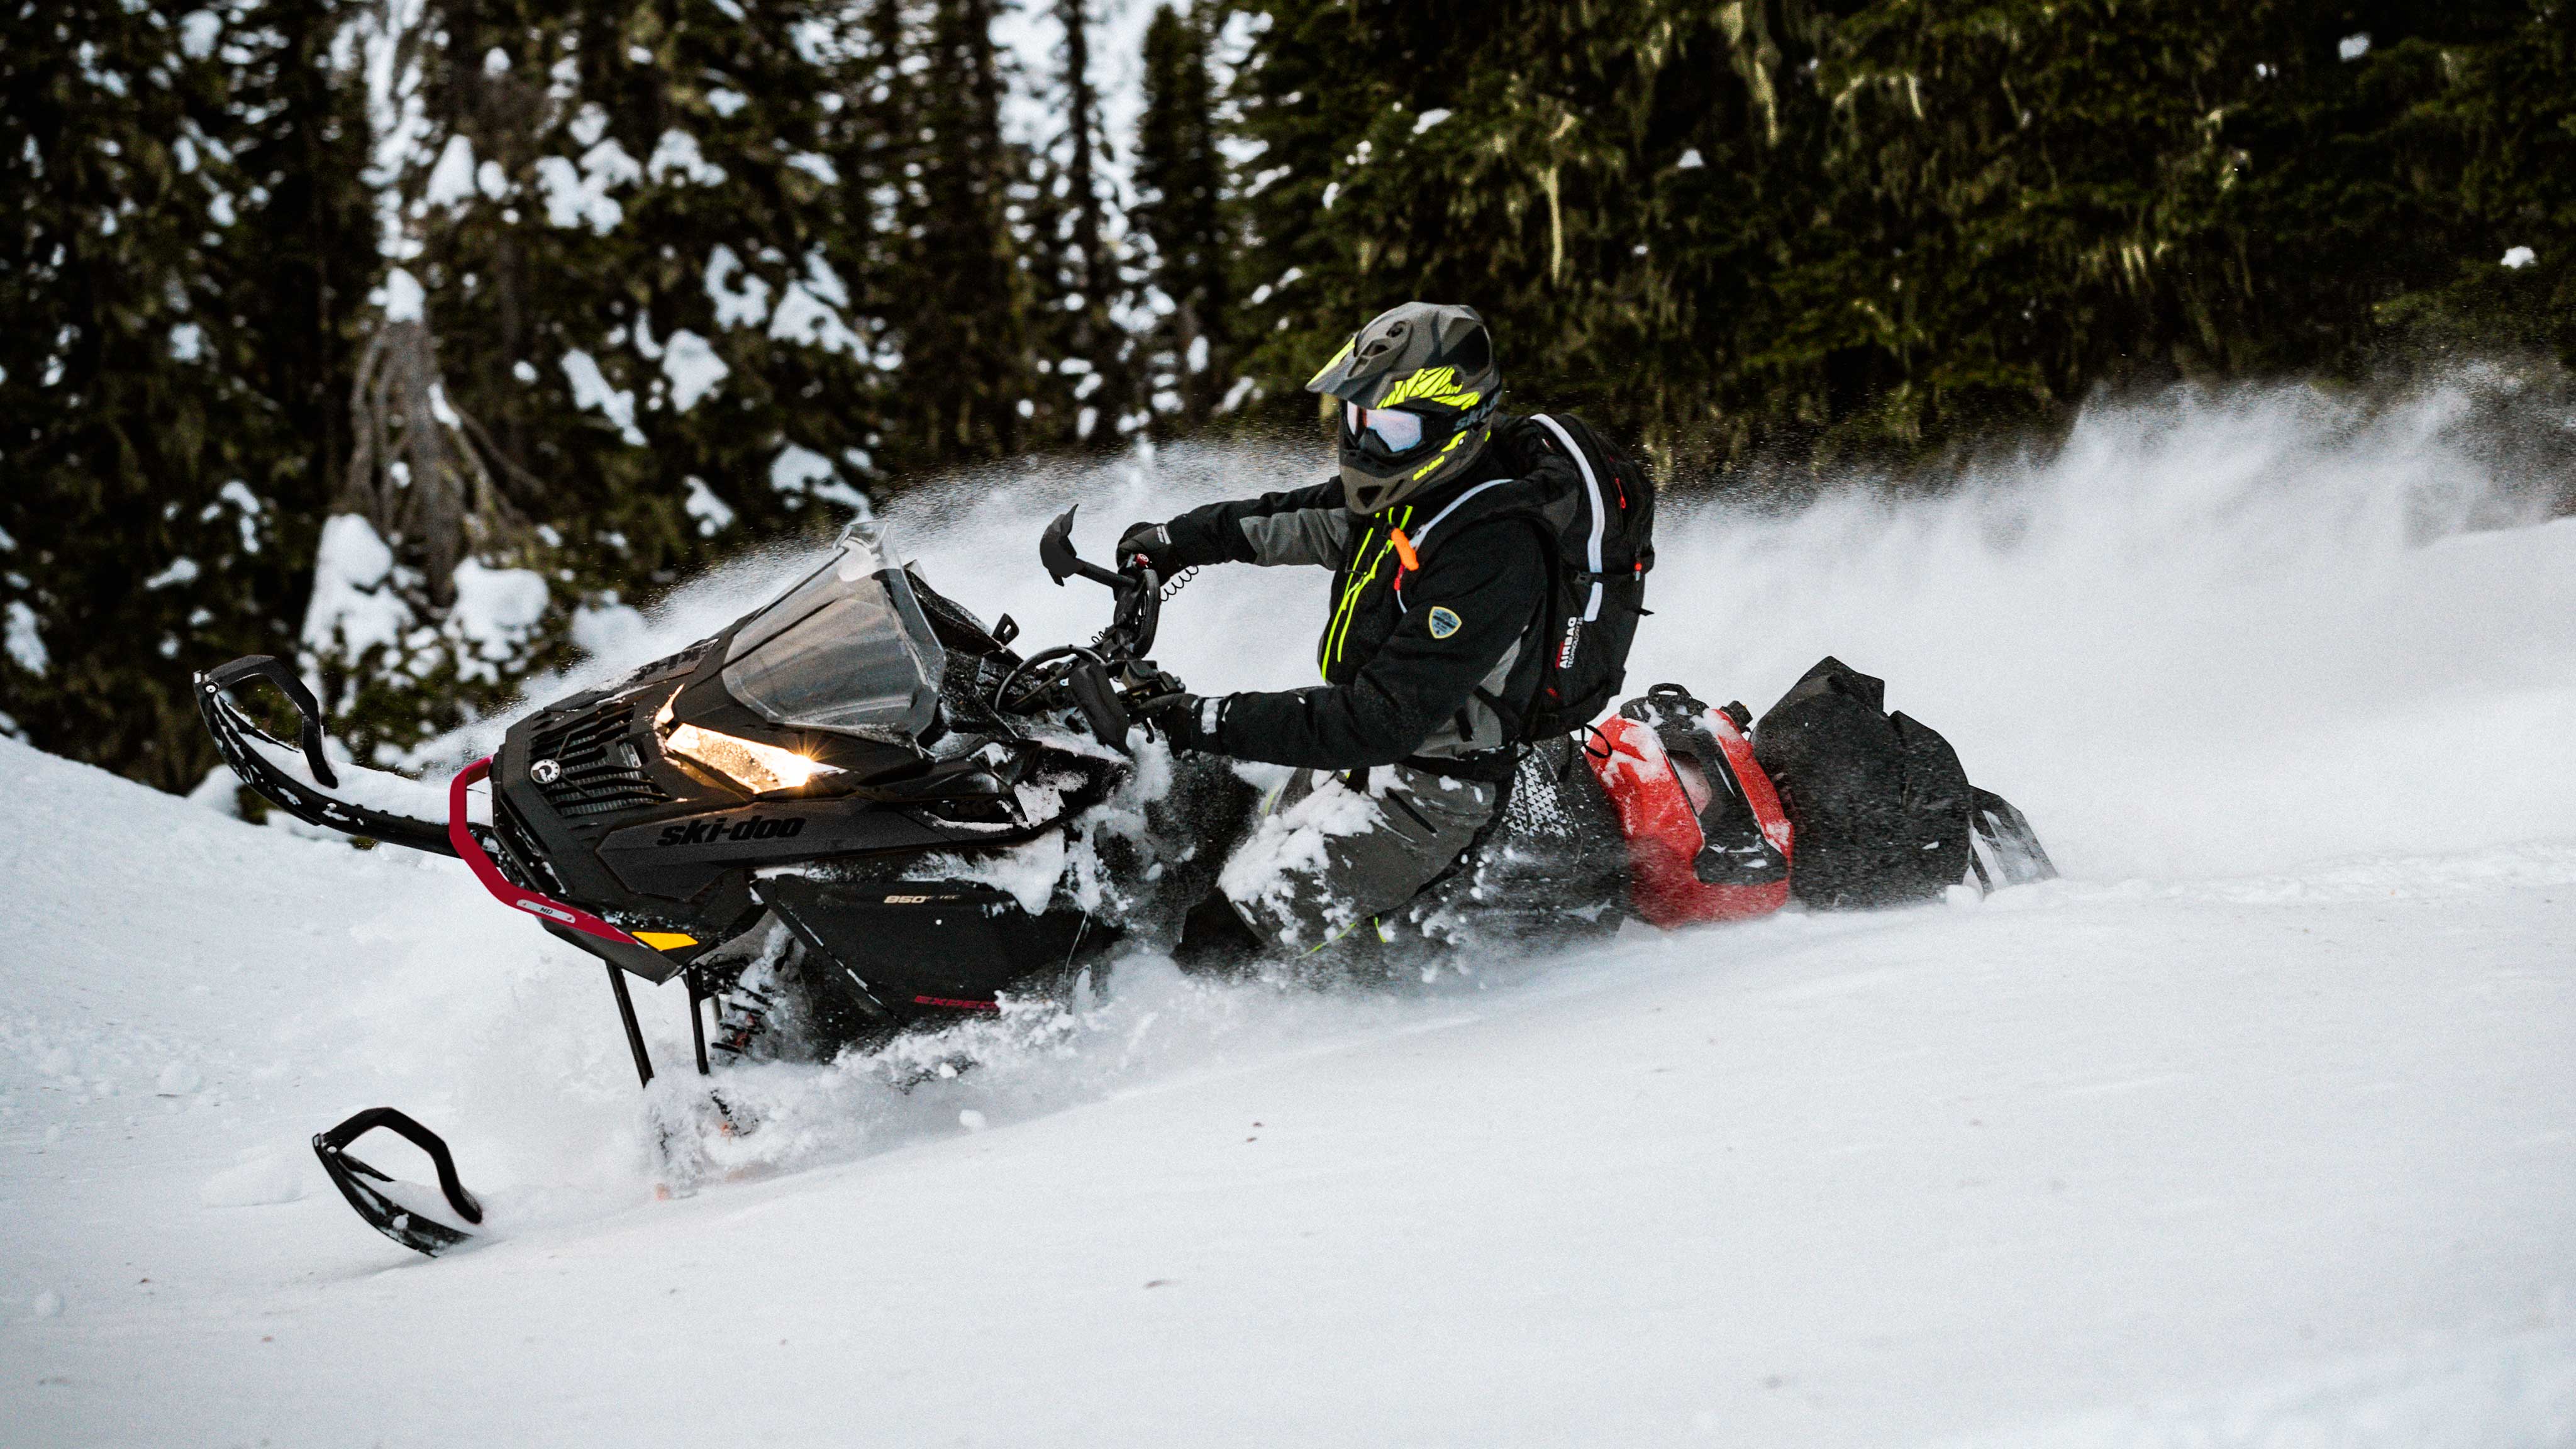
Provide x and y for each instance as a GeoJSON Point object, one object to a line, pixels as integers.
{"type": "Point", "coordinates": [1394, 430]}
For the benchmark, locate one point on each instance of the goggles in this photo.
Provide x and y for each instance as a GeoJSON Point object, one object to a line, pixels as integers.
{"type": "Point", "coordinates": [1396, 431]}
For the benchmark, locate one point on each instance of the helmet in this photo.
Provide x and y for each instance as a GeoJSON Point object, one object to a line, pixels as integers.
{"type": "Point", "coordinates": [1417, 388]}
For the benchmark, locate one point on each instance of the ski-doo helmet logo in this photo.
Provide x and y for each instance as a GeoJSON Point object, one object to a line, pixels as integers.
{"type": "Point", "coordinates": [546, 772]}
{"type": "Point", "coordinates": [1444, 622]}
{"type": "Point", "coordinates": [708, 832]}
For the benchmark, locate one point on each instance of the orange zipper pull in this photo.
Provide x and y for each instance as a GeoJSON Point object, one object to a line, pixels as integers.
{"type": "Point", "coordinates": [1404, 550]}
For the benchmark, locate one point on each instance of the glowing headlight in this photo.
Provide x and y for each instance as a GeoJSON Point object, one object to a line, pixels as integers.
{"type": "Point", "coordinates": [756, 767]}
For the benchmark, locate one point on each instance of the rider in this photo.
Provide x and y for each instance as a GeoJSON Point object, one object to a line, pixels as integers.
{"type": "Point", "coordinates": [1427, 655]}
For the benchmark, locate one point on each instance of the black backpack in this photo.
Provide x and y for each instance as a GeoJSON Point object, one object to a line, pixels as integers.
{"type": "Point", "coordinates": [1603, 528]}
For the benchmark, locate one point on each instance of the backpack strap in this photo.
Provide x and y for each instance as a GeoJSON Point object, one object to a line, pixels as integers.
{"type": "Point", "coordinates": [1600, 520]}
{"type": "Point", "coordinates": [1410, 547]}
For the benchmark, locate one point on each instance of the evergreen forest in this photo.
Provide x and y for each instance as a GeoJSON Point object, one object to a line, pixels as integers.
{"type": "Point", "coordinates": [416, 338]}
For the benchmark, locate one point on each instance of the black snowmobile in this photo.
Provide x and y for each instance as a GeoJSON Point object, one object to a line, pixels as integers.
{"type": "Point", "coordinates": [822, 791]}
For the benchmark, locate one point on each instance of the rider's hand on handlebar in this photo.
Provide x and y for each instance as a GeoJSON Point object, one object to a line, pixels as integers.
{"type": "Point", "coordinates": [1153, 543]}
{"type": "Point", "coordinates": [1188, 720]}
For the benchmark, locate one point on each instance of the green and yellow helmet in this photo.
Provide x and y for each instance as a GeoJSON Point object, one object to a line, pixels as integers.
{"type": "Point", "coordinates": [1417, 388]}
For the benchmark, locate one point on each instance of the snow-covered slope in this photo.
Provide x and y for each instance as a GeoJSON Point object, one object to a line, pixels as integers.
{"type": "Point", "coordinates": [2260, 1128]}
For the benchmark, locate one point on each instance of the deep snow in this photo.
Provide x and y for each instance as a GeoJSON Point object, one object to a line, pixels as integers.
{"type": "Point", "coordinates": [2260, 1128]}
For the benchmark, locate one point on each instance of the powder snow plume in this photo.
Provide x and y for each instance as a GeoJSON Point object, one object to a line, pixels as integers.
{"type": "Point", "coordinates": [2258, 1128]}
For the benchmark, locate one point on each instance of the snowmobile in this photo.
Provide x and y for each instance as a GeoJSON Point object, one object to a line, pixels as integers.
{"type": "Point", "coordinates": [864, 790]}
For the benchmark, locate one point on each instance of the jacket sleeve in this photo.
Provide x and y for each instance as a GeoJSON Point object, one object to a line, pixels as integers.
{"type": "Point", "coordinates": [1490, 580]}
{"type": "Point", "coordinates": [1307, 526]}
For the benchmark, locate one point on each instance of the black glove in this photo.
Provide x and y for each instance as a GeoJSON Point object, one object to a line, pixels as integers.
{"type": "Point", "coordinates": [1154, 542]}
{"type": "Point", "coordinates": [1189, 721]}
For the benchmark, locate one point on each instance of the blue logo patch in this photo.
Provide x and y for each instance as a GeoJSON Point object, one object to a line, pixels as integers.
{"type": "Point", "coordinates": [1444, 622]}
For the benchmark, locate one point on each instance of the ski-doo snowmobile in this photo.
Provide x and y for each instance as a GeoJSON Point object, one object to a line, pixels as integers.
{"type": "Point", "coordinates": [825, 788]}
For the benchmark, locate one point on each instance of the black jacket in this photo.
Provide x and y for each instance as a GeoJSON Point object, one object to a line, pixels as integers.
{"type": "Point", "coordinates": [1414, 661]}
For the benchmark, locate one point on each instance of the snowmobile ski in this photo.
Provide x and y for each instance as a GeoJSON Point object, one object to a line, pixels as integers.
{"type": "Point", "coordinates": [403, 1211]}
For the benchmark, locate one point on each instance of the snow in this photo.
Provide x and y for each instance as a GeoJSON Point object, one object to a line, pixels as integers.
{"type": "Point", "coordinates": [2516, 258]}
{"type": "Point", "coordinates": [805, 310]}
{"type": "Point", "coordinates": [197, 32]}
{"type": "Point", "coordinates": [1429, 119]}
{"type": "Point", "coordinates": [25, 640]}
{"type": "Point", "coordinates": [2258, 1129]}
{"type": "Point", "coordinates": [401, 296]}
{"type": "Point", "coordinates": [798, 468]}
{"type": "Point", "coordinates": [578, 196]}
{"type": "Point", "coordinates": [677, 151]}
{"type": "Point", "coordinates": [591, 389]}
{"type": "Point", "coordinates": [452, 179]}
{"type": "Point", "coordinates": [180, 571]}
{"type": "Point", "coordinates": [744, 306]}
{"type": "Point", "coordinates": [713, 514]}
{"type": "Point", "coordinates": [2353, 47]}
{"type": "Point", "coordinates": [693, 367]}
{"type": "Point", "coordinates": [496, 613]}
{"type": "Point", "coordinates": [352, 609]}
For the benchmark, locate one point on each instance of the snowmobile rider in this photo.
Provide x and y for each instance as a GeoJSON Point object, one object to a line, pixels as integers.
{"type": "Point", "coordinates": [1428, 653]}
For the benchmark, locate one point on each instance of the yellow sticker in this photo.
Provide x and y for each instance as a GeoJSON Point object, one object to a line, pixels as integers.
{"type": "Point", "coordinates": [1444, 622]}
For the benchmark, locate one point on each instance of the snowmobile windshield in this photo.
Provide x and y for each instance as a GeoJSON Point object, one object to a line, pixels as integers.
{"type": "Point", "coordinates": [848, 650]}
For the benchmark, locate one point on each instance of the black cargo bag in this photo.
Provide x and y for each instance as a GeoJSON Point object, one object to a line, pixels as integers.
{"type": "Point", "coordinates": [1883, 812]}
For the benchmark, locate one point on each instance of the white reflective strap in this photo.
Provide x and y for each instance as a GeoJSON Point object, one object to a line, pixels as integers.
{"type": "Point", "coordinates": [1592, 609]}
{"type": "Point", "coordinates": [1424, 531]}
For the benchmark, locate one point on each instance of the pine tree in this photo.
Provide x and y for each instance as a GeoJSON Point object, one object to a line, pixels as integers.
{"type": "Point", "coordinates": [629, 326]}
{"type": "Point", "coordinates": [963, 323]}
{"type": "Point", "coordinates": [169, 338]}
{"type": "Point", "coordinates": [1085, 356]}
{"type": "Point", "coordinates": [1180, 210]}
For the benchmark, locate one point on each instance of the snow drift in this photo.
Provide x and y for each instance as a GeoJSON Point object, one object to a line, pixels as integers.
{"type": "Point", "coordinates": [2257, 1129]}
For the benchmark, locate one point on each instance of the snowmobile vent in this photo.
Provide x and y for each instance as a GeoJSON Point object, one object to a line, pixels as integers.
{"type": "Point", "coordinates": [600, 770]}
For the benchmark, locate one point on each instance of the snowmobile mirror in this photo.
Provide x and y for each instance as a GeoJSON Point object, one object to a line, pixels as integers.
{"type": "Point", "coordinates": [308, 713]}
{"type": "Point", "coordinates": [1055, 550]}
{"type": "Point", "coordinates": [381, 1199]}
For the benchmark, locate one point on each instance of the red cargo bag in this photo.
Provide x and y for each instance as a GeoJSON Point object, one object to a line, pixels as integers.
{"type": "Point", "coordinates": [1707, 839]}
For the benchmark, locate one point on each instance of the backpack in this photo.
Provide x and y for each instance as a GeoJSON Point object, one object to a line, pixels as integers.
{"type": "Point", "coordinates": [1603, 531]}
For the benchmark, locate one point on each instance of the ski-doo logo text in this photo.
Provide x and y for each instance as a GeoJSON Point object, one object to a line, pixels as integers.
{"type": "Point", "coordinates": [707, 832]}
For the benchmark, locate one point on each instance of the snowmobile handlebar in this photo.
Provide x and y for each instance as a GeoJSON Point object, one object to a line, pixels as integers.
{"type": "Point", "coordinates": [1130, 635]}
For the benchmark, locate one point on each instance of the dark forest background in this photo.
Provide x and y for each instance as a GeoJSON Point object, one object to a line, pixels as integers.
{"type": "Point", "coordinates": [531, 308]}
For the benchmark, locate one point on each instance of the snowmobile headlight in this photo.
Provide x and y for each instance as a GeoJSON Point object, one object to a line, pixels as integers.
{"type": "Point", "coordinates": [756, 767]}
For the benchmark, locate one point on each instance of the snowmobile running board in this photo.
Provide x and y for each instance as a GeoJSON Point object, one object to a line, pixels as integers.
{"type": "Point", "coordinates": [409, 1224]}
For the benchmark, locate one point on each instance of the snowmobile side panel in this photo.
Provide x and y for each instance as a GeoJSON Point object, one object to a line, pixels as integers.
{"type": "Point", "coordinates": [675, 857]}
{"type": "Point", "coordinates": [911, 945]}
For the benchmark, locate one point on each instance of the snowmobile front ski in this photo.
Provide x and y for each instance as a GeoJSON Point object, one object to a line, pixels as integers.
{"type": "Point", "coordinates": [298, 778]}
{"type": "Point", "coordinates": [403, 1211]}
